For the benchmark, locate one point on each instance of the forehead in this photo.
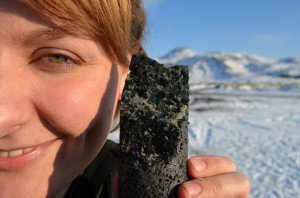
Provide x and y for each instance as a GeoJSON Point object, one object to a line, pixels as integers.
{"type": "Point", "coordinates": [18, 16]}
{"type": "Point", "coordinates": [23, 12]}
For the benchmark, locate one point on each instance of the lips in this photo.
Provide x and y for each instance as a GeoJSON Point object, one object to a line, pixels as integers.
{"type": "Point", "coordinates": [20, 158]}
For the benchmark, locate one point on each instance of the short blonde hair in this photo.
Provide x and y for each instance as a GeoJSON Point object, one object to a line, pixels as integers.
{"type": "Point", "coordinates": [118, 25]}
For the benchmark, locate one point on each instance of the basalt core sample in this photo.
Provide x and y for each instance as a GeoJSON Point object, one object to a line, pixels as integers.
{"type": "Point", "coordinates": [153, 130]}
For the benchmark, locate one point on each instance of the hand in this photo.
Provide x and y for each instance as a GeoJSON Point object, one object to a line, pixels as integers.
{"type": "Point", "coordinates": [213, 176]}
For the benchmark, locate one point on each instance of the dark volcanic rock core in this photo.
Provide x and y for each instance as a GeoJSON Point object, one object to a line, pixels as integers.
{"type": "Point", "coordinates": [153, 129]}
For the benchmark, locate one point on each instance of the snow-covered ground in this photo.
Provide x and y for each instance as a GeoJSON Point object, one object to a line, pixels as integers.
{"type": "Point", "coordinates": [259, 132]}
{"type": "Point", "coordinates": [247, 108]}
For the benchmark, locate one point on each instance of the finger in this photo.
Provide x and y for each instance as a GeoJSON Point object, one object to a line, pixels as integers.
{"type": "Point", "coordinates": [225, 185]}
{"type": "Point", "coordinates": [205, 166]}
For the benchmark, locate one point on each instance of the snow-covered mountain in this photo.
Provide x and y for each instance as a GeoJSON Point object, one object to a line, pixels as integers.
{"type": "Point", "coordinates": [219, 67]}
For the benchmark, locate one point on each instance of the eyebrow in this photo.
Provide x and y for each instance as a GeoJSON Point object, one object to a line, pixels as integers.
{"type": "Point", "coordinates": [42, 35]}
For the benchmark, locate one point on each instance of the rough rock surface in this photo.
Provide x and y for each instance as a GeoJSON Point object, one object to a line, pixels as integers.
{"type": "Point", "coordinates": [153, 129]}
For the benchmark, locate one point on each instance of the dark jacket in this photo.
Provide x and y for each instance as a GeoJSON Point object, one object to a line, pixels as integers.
{"type": "Point", "coordinates": [97, 179]}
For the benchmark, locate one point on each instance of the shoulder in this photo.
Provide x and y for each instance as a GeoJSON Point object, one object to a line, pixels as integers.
{"type": "Point", "coordinates": [96, 181]}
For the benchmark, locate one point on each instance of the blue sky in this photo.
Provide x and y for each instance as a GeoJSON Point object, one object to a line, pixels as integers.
{"type": "Point", "coordinates": [269, 28]}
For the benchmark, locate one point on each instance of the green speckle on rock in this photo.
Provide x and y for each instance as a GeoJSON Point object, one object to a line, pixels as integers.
{"type": "Point", "coordinates": [153, 129]}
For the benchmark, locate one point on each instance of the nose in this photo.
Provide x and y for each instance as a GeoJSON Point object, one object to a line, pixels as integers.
{"type": "Point", "coordinates": [15, 110]}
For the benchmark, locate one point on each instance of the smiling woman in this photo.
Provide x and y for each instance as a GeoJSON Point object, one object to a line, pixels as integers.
{"type": "Point", "coordinates": [63, 66]}
{"type": "Point", "coordinates": [64, 110]}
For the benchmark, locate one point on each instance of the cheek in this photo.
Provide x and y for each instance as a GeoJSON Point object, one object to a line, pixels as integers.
{"type": "Point", "coordinates": [72, 106]}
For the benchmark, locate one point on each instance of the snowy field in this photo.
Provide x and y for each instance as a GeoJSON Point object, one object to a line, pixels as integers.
{"type": "Point", "coordinates": [260, 132]}
{"type": "Point", "coordinates": [248, 109]}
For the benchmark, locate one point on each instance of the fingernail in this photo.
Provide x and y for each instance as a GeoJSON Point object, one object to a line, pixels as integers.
{"type": "Point", "coordinates": [198, 164]}
{"type": "Point", "coordinates": [192, 188]}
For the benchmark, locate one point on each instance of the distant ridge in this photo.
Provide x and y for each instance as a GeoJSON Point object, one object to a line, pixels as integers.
{"type": "Point", "coordinates": [178, 54]}
{"type": "Point", "coordinates": [220, 66]}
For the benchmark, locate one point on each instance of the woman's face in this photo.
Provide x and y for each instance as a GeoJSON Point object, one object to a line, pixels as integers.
{"type": "Point", "coordinates": [57, 98]}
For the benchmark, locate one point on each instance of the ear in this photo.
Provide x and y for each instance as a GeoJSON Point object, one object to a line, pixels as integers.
{"type": "Point", "coordinates": [124, 73]}
{"type": "Point", "coordinates": [122, 83]}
